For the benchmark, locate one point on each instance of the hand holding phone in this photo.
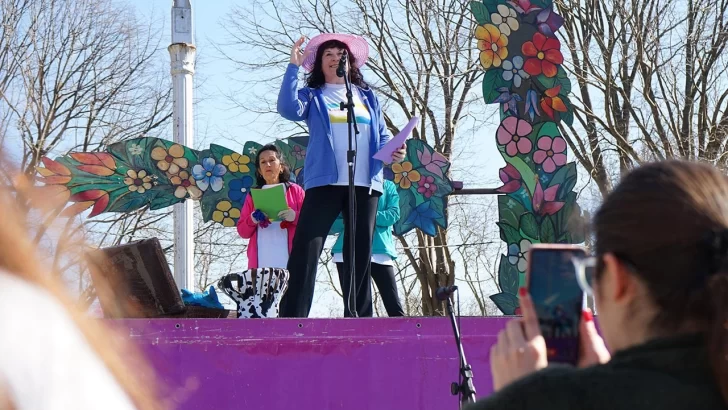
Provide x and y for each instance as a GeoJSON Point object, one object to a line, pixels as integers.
{"type": "Point", "coordinates": [557, 297]}
{"type": "Point", "coordinates": [521, 350]}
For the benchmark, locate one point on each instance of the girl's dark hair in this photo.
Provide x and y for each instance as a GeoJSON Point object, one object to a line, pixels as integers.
{"type": "Point", "coordinates": [285, 171]}
{"type": "Point", "coordinates": [316, 78]}
{"type": "Point", "coordinates": [669, 220]}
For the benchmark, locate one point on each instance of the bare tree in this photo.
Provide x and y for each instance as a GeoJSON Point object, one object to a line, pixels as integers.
{"type": "Point", "coordinates": [83, 76]}
{"type": "Point", "coordinates": [77, 75]}
{"type": "Point", "coordinates": [651, 82]}
{"type": "Point", "coordinates": [477, 249]}
{"type": "Point", "coordinates": [426, 67]}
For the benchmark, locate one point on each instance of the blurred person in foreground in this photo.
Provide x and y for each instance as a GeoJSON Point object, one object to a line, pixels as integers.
{"type": "Point", "coordinates": [53, 356]}
{"type": "Point", "coordinates": [661, 290]}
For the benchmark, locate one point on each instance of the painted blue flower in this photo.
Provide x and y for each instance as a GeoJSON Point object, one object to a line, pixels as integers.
{"type": "Point", "coordinates": [239, 188]}
{"type": "Point", "coordinates": [513, 70]}
{"type": "Point", "coordinates": [423, 217]}
{"type": "Point", "coordinates": [518, 254]}
{"type": "Point", "coordinates": [209, 174]}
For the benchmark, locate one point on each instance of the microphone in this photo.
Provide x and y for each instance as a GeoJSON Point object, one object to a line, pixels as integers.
{"type": "Point", "coordinates": [443, 293]}
{"type": "Point", "coordinates": [341, 70]}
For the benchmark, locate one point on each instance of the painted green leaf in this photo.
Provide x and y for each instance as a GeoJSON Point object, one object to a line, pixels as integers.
{"type": "Point", "coordinates": [563, 79]}
{"type": "Point", "coordinates": [550, 129]}
{"type": "Point", "coordinates": [529, 226]}
{"type": "Point", "coordinates": [508, 233]}
{"type": "Point", "coordinates": [406, 207]}
{"type": "Point", "coordinates": [506, 302]}
{"type": "Point", "coordinates": [568, 116]}
{"type": "Point", "coordinates": [164, 200]}
{"type": "Point", "coordinates": [492, 5]}
{"type": "Point", "coordinates": [480, 12]}
{"type": "Point", "coordinates": [507, 276]}
{"type": "Point", "coordinates": [563, 173]}
{"type": "Point", "coordinates": [492, 80]}
{"type": "Point", "coordinates": [510, 210]}
{"type": "Point", "coordinates": [546, 82]}
{"type": "Point", "coordinates": [129, 201]}
{"type": "Point", "coordinates": [543, 4]}
{"type": "Point", "coordinates": [526, 172]}
{"type": "Point", "coordinates": [569, 184]}
{"type": "Point", "coordinates": [547, 231]}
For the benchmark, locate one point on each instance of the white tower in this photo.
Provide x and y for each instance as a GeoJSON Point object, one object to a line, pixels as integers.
{"type": "Point", "coordinates": [182, 52]}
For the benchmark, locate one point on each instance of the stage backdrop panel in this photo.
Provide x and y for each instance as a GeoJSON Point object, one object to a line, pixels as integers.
{"type": "Point", "coordinates": [353, 364]}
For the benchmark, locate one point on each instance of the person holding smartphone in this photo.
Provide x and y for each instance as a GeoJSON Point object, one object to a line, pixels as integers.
{"type": "Point", "coordinates": [383, 256]}
{"type": "Point", "coordinates": [660, 281]}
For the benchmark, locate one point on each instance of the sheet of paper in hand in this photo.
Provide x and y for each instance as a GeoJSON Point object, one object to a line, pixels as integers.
{"type": "Point", "coordinates": [270, 201]}
{"type": "Point", "coordinates": [385, 154]}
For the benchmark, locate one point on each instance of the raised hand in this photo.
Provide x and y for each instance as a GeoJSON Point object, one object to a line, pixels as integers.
{"type": "Point", "coordinates": [297, 54]}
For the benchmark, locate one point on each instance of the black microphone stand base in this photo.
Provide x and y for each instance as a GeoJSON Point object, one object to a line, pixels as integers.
{"type": "Point", "coordinates": [465, 388]}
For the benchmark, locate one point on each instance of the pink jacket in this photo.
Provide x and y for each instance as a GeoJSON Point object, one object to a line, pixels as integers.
{"type": "Point", "coordinates": [248, 230]}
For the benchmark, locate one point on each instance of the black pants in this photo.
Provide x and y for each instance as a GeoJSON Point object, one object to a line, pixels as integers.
{"type": "Point", "coordinates": [320, 208]}
{"type": "Point", "coordinates": [383, 276]}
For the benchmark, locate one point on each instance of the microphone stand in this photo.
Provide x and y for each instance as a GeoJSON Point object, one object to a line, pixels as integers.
{"type": "Point", "coordinates": [349, 293]}
{"type": "Point", "coordinates": [464, 387]}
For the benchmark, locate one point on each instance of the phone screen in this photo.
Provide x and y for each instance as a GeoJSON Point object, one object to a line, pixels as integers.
{"type": "Point", "coordinates": [558, 300]}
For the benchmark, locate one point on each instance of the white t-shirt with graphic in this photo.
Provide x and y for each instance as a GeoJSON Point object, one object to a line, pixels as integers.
{"type": "Point", "coordinates": [334, 95]}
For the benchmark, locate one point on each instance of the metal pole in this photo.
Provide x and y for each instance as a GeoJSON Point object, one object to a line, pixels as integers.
{"type": "Point", "coordinates": [459, 190]}
{"type": "Point", "coordinates": [182, 53]}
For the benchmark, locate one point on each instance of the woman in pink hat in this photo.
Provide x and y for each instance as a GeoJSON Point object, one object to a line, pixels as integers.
{"type": "Point", "coordinates": [326, 176]}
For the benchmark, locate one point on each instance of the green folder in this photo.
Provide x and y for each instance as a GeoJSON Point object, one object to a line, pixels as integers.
{"type": "Point", "coordinates": [270, 201]}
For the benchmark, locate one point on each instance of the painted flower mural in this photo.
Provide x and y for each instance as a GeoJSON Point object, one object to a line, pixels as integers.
{"type": "Point", "coordinates": [158, 173]}
{"type": "Point", "coordinates": [537, 204]}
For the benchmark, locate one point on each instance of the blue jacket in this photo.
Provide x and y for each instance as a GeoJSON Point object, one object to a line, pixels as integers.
{"type": "Point", "coordinates": [308, 105]}
{"type": "Point", "coordinates": [387, 216]}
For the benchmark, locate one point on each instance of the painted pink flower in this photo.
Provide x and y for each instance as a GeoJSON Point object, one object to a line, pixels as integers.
{"type": "Point", "coordinates": [513, 133]}
{"type": "Point", "coordinates": [551, 153]}
{"type": "Point", "coordinates": [544, 202]}
{"type": "Point", "coordinates": [433, 162]}
{"type": "Point", "coordinates": [427, 186]}
{"type": "Point", "coordinates": [511, 179]}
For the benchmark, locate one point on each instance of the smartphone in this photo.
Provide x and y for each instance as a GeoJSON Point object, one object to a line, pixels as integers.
{"type": "Point", "coordinates": [554, 288]}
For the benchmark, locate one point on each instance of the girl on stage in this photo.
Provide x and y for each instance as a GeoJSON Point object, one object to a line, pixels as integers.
{"type": "Point", "coordinates": [326, 176]}
{"type": "Point", "coordinates": [383, 256]}
{"type": "Point", "coordinates": [270, 242]}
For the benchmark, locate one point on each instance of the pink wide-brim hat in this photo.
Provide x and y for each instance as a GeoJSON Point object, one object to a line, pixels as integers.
{"type": "Point", "coordinates": [358, 47]}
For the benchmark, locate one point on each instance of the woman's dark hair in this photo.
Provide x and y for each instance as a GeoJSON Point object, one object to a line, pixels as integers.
{"type": "Point", "coordinates": [316, 78]}
{"type": "Point", "coordinates": [285, 171]}
{"type": "Point", "coordinates": [669, 220]}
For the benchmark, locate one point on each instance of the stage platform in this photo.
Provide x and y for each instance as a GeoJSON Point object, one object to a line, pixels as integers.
{"type": "Point", "coordinates": [352, 364]}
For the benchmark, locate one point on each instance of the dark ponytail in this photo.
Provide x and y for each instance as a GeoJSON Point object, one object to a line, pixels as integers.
{"type": "Point", "coordinates": [670, 220]}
